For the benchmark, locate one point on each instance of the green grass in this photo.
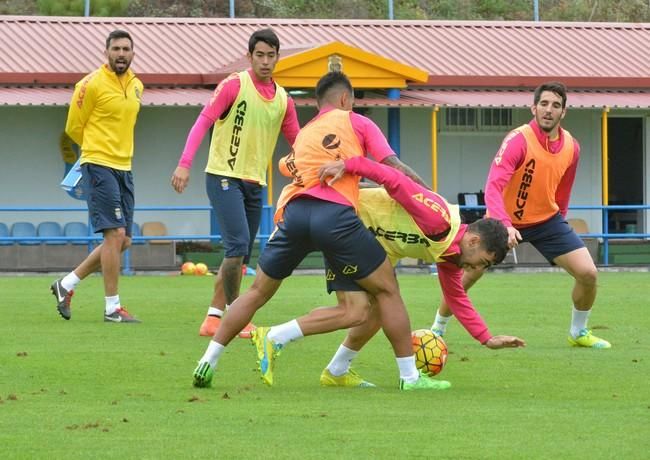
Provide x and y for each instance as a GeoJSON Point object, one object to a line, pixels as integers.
{"type": "Point", "coordinates": [86, 389]}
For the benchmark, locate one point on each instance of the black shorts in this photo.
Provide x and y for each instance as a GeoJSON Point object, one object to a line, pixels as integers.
{"type": "Point", "coordinates": [552, 238]}
{"type": "Point", "coordinates": [237, 205]}
{"type": "Point", "coordinates": [310, 225]}
{"type": "Point", "coordinates": [111, 198]}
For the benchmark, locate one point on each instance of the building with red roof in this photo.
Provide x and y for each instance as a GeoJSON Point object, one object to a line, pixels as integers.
{"type": "Point", "coordinates": [445, 92]}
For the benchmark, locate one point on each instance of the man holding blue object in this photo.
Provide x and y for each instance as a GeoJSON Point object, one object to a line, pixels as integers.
{"type": "Point", "coordinates": [101, 119]}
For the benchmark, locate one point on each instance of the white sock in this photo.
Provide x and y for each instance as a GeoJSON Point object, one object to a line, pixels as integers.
{"type": "Point", "coordinates": [285, 333]}
{"type": "Point", "coordinates": [340, 363]}
{"type": "Point", "coordinates": [214, 311]}
{"type": "Point", "coordinates": [212, 353]}
{"type": "Point", "coordinates": [70, 281]}
{"type": "Point", "coordinates": [112, 304]}
{"type": "Point", "coordinates": [407, 370]}
{"type": "Point", "coordinates": [578, 321]}
{"type": "Point", "coordinates": [440, 323]}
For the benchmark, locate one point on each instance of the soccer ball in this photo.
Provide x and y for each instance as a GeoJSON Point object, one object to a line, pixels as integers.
{"type": "Point", "coordinates": [200, 269]}
{"type": "Point", "coordinates": [430, 351]}
{"type": "Point", "coordinates": [188, 268]}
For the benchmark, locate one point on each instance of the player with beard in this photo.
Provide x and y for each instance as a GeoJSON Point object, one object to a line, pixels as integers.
{"type": "Point", "coordinates": [101, 120]}
{"type": "Point", "coordinates": [528, 189]}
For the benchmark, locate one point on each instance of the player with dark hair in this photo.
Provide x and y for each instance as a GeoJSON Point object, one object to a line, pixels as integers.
{"type": "Point", "coordinates": [311, 217]}
{"type": "Point", "coordinates": [528, 189]}
{"type": "Point", "coordinates": [101, 119]}
{"type": "Point", "coordinates": [248, 110]}
{"type": "Point", "coordinates": [410, 220]}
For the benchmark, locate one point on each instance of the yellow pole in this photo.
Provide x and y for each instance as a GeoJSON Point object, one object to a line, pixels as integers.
{"type": "Point", "coordinates": [269, 183]}
{"type": "Point", "coordinates": [434, 148]}
{"type": "Point", "coordinates": [605, 156]}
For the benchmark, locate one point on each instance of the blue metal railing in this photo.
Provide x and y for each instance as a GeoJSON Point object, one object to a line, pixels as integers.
{"type": "Point", "coordinates": [606, 235]}
{"type": "Point", "coordinates": [266, 226]}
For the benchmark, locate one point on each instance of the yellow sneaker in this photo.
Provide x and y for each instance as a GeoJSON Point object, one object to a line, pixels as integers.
{"type": "Point", "coordinates": [587, 339]}
{"type": "Point", "coordinates": [349, 379]}
{"type": "Point", "coordinates": [267, 351]}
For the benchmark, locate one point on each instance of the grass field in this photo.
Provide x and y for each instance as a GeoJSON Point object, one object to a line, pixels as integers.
{"type": "Point", "coordinates": [85, 389]}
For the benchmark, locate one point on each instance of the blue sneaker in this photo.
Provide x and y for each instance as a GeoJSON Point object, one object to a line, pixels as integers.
{"type": "Point", "coordinates": [267, 351]}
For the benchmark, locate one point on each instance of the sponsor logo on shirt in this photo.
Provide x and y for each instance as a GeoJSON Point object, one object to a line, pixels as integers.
{"type": "Point", "coordinates": [331, 142]}
{"type": "Point", "coordinates": [396, 235]}
{"type": "Point", "coordinates": [236, 133]}
{"type": "Point", "coordinates": [290, 162]}
{"type": "Point", "coordinates": [522, 194]}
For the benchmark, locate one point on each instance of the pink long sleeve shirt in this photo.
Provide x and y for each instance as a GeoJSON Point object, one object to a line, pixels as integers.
{"type": "Point", "coordinates": [431, 222]}
{"type": "Point", "coordinates": [510, 157]}
{"type": "Point", "coordinates": [222, 99]}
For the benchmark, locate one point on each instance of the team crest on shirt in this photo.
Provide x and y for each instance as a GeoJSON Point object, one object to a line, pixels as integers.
{"type": "Point", "coordinates": [137, 92]}
{"type": "Point", "coordinates": [224, 184]}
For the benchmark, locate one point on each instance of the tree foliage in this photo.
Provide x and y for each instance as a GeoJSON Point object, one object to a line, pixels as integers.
{"type": "Point", "coordinates": [510, 10]}
{"type": "Point", "coordinates": [76, 7]}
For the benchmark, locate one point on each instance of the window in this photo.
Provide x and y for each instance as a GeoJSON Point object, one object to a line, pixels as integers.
{"type": "Point", "coordinates": [471, 119]}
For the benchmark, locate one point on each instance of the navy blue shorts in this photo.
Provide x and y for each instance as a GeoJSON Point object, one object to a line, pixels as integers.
{"type": "Point", "coordinates": [311, 225]}
{"type": "Point", "coordinates": [552, 238]}
{"type": "Point", "coordinates": [111, 198]}
{"type": "Point", "coordinates": [238, 207]}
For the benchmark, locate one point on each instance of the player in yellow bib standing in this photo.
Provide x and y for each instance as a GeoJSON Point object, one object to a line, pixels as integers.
{"type": "Point", "coordinates": [248, 110]}
{"type": "Point", "coordinates": [101, 119]}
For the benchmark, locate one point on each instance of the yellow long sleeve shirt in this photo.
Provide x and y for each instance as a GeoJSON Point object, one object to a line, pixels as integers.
{"type": "Point", "coordinates": [102, 116]}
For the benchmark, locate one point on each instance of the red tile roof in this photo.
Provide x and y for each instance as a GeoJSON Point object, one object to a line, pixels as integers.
{"type": "Point", "coordinates": [456, 54]}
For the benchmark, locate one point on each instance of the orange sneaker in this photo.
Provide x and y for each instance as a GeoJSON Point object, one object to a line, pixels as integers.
{"type": "Point", "coordinates": [246, 332]}
{"type": "Point", "coordinates": [211, 324]}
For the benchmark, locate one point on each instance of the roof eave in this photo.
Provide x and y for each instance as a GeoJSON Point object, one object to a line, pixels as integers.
{"type": "Point", "coordinates": [482, 81]}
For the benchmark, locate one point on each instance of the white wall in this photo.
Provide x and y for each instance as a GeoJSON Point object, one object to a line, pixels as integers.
{"type": "Point", "coordinates": [32, 166]}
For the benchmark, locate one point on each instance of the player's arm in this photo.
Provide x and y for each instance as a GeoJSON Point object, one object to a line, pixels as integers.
{"type": "Point", "coordinates": [218, 106]}
{"type": "Point", "coordinates": [374, 142]}
{"type": "Point", "coordinates": [290, 125]}
{"type": "Point", "coordinates": [81, 106]}
{"type": "Point", "coordinates": [510, 156]}
{"type": "Point", "coordinates": [450, 278]}
{"type": "Point", "coordinates": [394, 162]}
{"type": "Point", "coordinates": [563, 192]}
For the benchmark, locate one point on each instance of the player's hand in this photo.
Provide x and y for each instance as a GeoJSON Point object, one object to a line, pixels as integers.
{"type": "Point", "coordinates": [180, 179]}
{"type": "Point", "coordinates": [333, 169]}
{"type": "Point", "coordinates": [505, 341]}
{"type": "Point", "coordinates": [514, 237]}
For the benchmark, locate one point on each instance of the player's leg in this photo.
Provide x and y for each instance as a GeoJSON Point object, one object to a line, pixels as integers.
{"type": "Point", "coordinates": [579, 264]}
{"type": "Point", "coordinates": [382, 284]}
{"type": "Point", "coordinates": [227, 200]}
{"type": "Point", "coordinates": [559, 244]}
{"type": "Point", "coordinates": [240, 314]}
{"type": "Point", "coordinates": [444, 314]}
{"type": "Point", "coordinates": [338, 372]}
{"type": "Point", "coordinates": [353, 252]}
{"type": "Point", "coordinates": [280, 256]}
{"type": "Point", "coordinates": [117, 226]}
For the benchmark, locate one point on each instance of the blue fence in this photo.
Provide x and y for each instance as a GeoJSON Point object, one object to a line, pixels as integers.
{"type": "Point", "coordinates": [266, 226]}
